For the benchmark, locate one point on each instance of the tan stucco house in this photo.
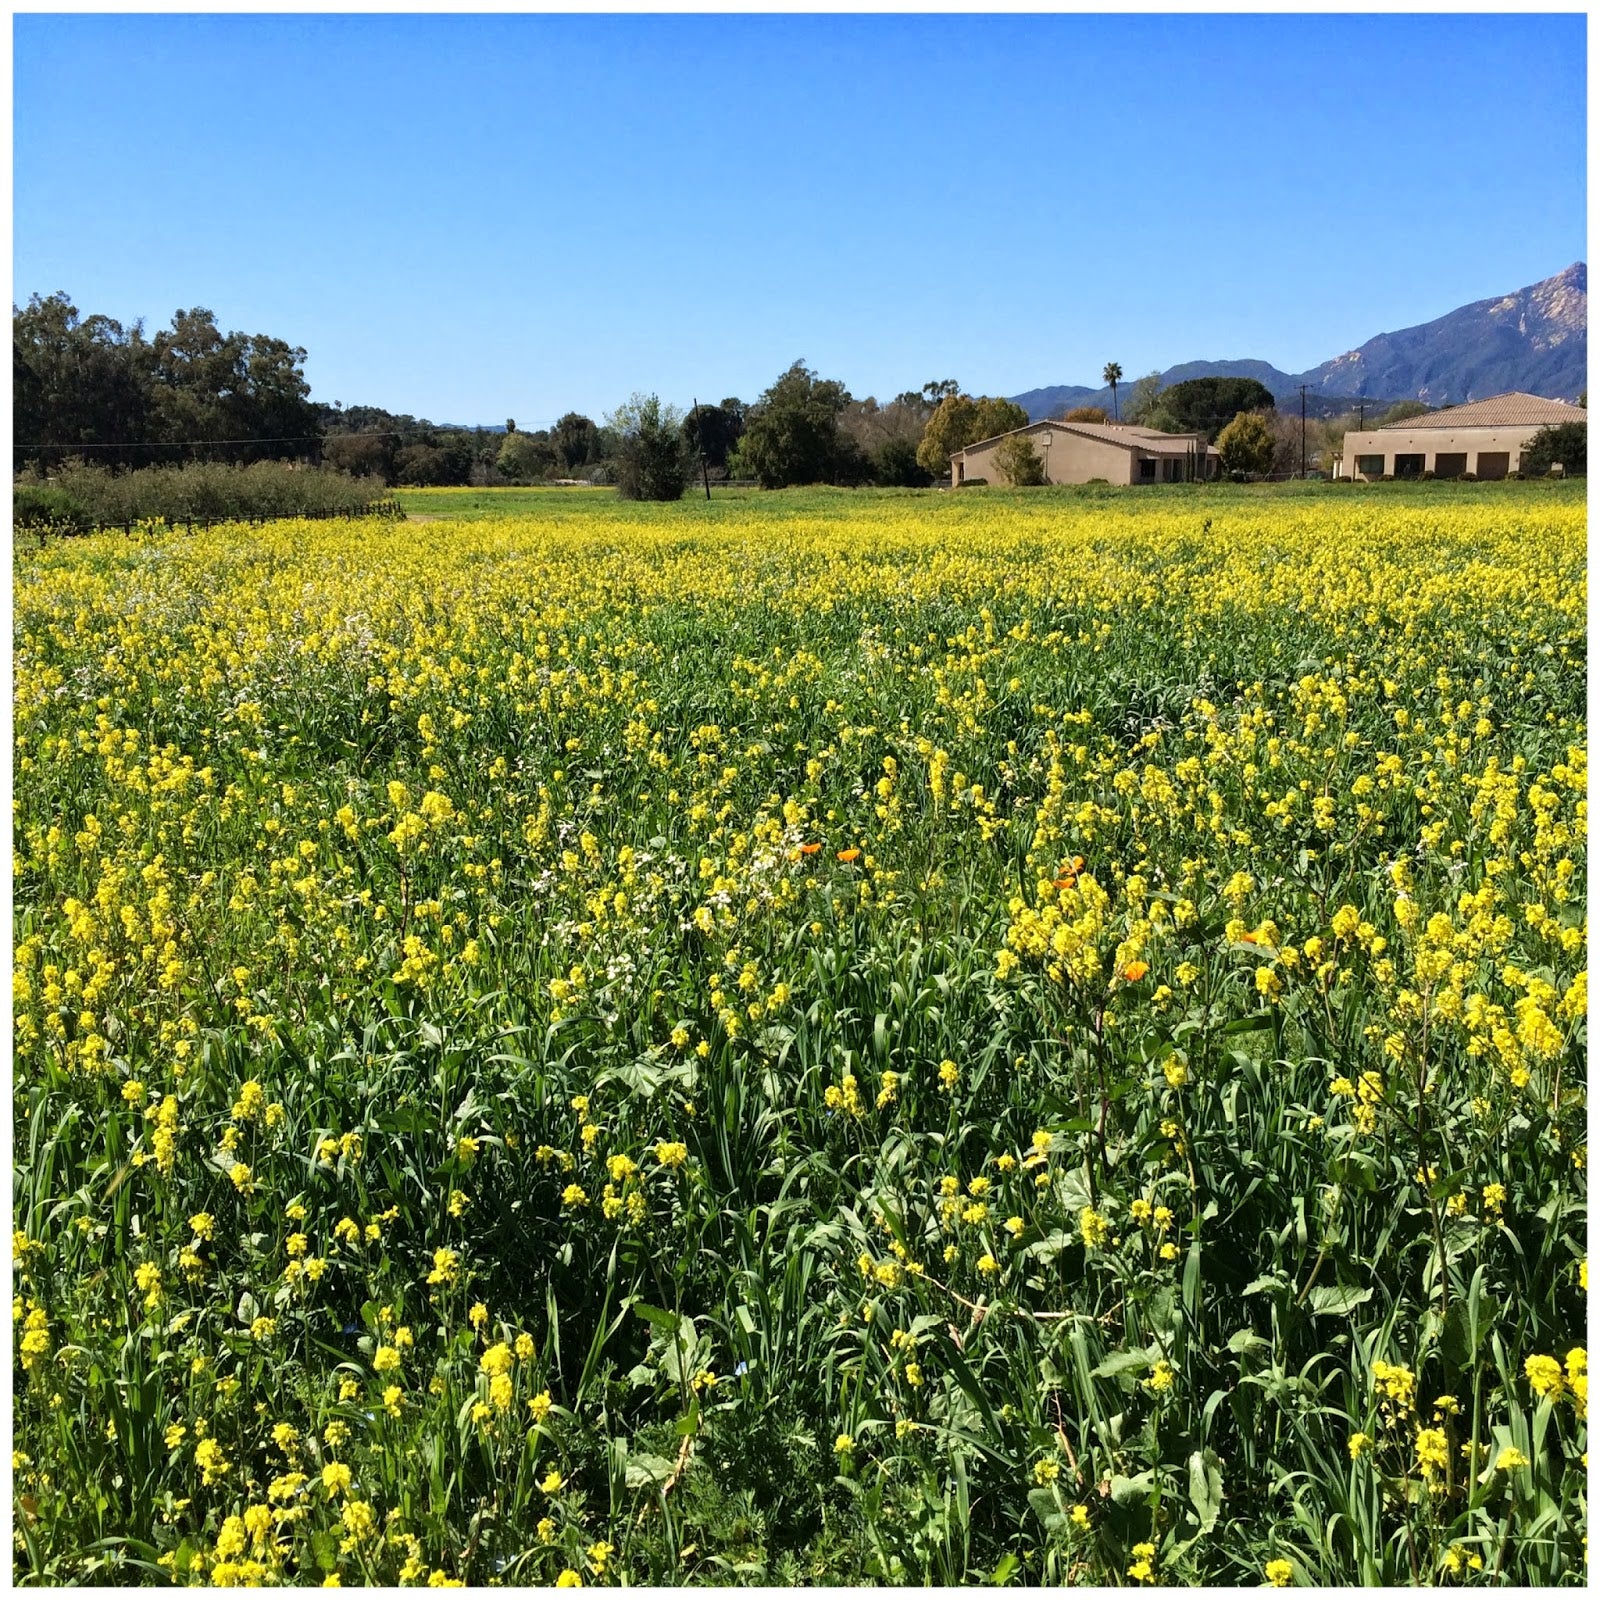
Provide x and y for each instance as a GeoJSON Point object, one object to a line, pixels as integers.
{"type": "Point", "coordinates": [1485, 437]}
{"type": "Point", "coordinates": [1078, 452]}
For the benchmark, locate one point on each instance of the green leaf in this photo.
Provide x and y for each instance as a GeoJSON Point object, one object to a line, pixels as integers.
{"type": "Point", "coordinates": [1120, 1362]}
{"type": "Point", "coordinates": [645, 1471]}
{"type": "Point", "coordinates": [1205, 1487]}
{"type": "Point", "coordinates": [1465, 1328]}
{"type": "Point", "coordinates": [1127, 1491]}
{"type": "Point", "coordinates": [1355, 1168]}
{"type": "Point", "coordinates": [1045, 1508]}
{"type": "Point", "coordinates": [1269, 1284]}
{"type": "Point", "coordinates": [1255, 1022]}
{"type": "Point", "coordinates": [1337, 1300]}
{"type": "Point", "coordinates": [326, 1549]}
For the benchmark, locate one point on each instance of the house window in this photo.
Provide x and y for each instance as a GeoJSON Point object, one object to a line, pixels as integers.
{"type": "Point", "coordinates": [1410, 466]}
{"type": "Point", "coordinates": [1450, 464]}
{"type": "Point", "coordinates": [1147, 470]}
{"type": "Point", "coordinates": [1494, 463]}
{"type": "Point", "coordinates": [1370, 466]}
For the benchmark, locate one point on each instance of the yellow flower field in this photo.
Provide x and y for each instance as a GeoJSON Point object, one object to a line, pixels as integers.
{"type": "Point", "coordinates": [814, 1038]}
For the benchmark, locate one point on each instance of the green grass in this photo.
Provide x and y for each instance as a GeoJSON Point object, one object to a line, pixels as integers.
{"type": "Point", "coordinates": [474, 504]}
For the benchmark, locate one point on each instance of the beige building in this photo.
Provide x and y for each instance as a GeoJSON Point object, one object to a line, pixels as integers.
{"type": "Point", "coordinates": [1486, 437]}
{"type": "Point", "coordinates": [1079, 452]}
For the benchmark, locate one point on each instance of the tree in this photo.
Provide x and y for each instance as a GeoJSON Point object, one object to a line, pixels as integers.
{"type": "Point", "coordinates": [421, 465]}
{"type": "Point", "coordinates": [887, 437]}
{"type": "Point", "coordinates": [88, 382]}
{"type": "Point", "coordinates": [1204, 405]}
{"type": "Point", "coordinates": [1246, 444]}
{"type": "Point", "coordinates": [1113, 376]}
{"type": "Point", "coordinates": [943, 389]}
{"type": "Point", "coordinates": [78, 381]}
{"type": "Point", "coordinates": [1142, 402]}
{"type": "Point", "coordinates": [525, 457]}
{"type": "Point", "coordinates": [713, 431]}
{"type": "Point", "coordinates": [1564, 442]}
{"type": "Point", "coordinates": [576, 443]}
{"type": "Point", "coordinates": [1402, 411]}
{"type": "Point", "coordinates": [1085, 414]}
{"type": "Point", "coordinates": [652, 462]}
{"type": "Point", "coordinates": [1019, 461]}
{"type": "Point", "coordinates": [213, 388]}
{"type": "Point", "coordinates": [895, 466]}
{"type": "Point", "coordinates": [793, 436]}
{"type": "Point", "coordinates": [1284, 426]}
{"type": "Point", "coordinates": [958, 421]}
{"type": "Point", "coordinates": [361, 455]}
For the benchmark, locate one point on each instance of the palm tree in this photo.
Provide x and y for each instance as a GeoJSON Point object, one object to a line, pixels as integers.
{"type": "Point", "coordinates": [1113, 376]}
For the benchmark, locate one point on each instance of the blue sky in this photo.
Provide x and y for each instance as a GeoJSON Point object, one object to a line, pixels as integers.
{"type": "Point", "coordinates": [469, 218]}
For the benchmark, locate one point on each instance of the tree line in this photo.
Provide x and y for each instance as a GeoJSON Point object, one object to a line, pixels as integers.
{"type": "Point", "coordinates": [87, 387]}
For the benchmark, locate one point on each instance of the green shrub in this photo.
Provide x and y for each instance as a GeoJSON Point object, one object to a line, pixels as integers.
{"type": "Point", "coordinates": [45, 505]}
{"type": "Point", "coordinates": [1566, 444]}
{"type": "Point", "coordinates": [81, 496]}
{"type": "Point", "coordinates": [1019, 461]}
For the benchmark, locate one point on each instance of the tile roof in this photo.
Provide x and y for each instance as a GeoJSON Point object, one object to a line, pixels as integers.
{"type": "Point", "coordinates": [1512, 410]}
{"type": "Point", "coordinates": [1129, 435]}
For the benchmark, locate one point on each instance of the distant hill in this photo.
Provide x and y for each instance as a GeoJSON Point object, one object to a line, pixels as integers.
{"type": "Point", "coordinates": [1535, 340]}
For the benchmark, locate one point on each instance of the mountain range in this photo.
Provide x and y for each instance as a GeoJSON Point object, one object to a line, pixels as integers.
{"type": "Point", "coordinates": [1535, 340]}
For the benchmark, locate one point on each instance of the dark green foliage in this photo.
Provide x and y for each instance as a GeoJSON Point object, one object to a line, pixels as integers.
{"type": "Point", "coordinates": [1207, 405]}
{"type": "Point", "coordinates": [79, 497]}
{"type": "Point", "coordinates": [47, 505]}
{"type": "Point", "coordinates": [191, 391]}
{"type": "Point", "coordinates": [526, 458]}
{"type": "Point", "coordinates": [652, 459]}
{"type": "Point", "coordinates": [426, 464]}
{"type": "Point", "coordinates": [713, 431]}
{"type": "Point", "coordinates": [360, 455]}
{"type": "Point", "coordinates": [1567, 442]}
{"type": "Point", "coordinates": [793, 434]}
{"type": "Point", "coordinates": [1019, 461]}
{"type": "Point", "coordinates": [1402, 411]}
{"type": "Point", "coordinates": [895, 466]}
{"type": "Point", "coordinates": [575, 441]}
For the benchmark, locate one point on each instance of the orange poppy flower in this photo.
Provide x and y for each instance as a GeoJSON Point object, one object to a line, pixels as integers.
{"type": "Point", "coordinates": [809, 849]}
{"type": "Point", "coordinates": [1068, 882]}
{"type": "Point", "coordinates": [1135, 970]}
{"type": "Point", "coordinates": [849, 855]}
{"type": "Point", "coordinates": [1247, 938]}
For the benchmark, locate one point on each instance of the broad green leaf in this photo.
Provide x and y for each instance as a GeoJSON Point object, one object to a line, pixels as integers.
{"type": "Point", "coordinates": [1336, 1300]}
{"type": "Point", "coordinates": [1205, 1487]}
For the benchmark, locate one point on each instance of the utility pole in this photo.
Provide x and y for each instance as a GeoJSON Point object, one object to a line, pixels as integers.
{"type": "Point", "coordinates": [1302, 432]}
{"type": "Point", "coordinates": [700, 446]}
